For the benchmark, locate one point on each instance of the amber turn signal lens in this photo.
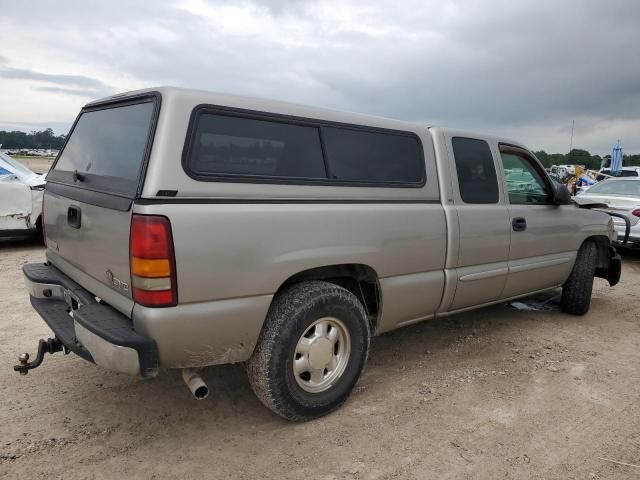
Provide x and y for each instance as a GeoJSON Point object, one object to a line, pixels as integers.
{"type": "Point", "coordinates": [146, 267]}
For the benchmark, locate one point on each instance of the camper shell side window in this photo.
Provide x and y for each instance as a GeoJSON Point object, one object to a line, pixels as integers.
{"type": "Point", "coordinates": [245, 146]}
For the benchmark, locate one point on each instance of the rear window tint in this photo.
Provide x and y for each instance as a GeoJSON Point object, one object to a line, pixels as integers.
{"type": "Point", "coordinates": [476, 171]}
{"type": "Point", "coordinates": [225, 145]}
{"type": "Point", "coordinates": [366, 156]}
{"type": "Point", "coordinates": [255, 147]}
{"type": "Point", "coordinates": [109, 143]}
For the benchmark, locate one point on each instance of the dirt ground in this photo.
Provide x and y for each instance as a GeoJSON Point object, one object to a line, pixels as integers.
{"type": "Point", "coordinates": [37, 164]}
{"type": "Point", "coordinates": [496, 393]}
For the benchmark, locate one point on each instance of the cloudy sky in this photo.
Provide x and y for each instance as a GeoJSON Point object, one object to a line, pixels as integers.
{"type": "Point", "coordinates": [523, 69]}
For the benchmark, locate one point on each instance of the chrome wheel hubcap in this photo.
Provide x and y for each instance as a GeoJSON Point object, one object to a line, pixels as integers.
{"type": "Point", "coordinates": [321, 354]}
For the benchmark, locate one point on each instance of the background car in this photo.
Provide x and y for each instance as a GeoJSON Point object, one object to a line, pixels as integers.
{"type": "Point", "coordinates": [625, 172]}
{"type": "Point", "coordinates": [621, 195]}
{"type": "Point", "coordinates": [20, 198]}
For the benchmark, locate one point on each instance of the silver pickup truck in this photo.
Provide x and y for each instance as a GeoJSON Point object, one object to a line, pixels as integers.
{"type": "Point", "coordinates": [187, 229]}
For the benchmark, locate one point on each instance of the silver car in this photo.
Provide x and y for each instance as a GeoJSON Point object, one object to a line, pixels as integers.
{"type": "Point", "coordinates": [620, 195]}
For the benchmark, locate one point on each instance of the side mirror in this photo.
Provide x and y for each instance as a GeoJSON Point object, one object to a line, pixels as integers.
{"type": "Point", "coordinates": [561, 195]}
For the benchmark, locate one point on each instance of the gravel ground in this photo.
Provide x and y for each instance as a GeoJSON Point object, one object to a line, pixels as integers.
{"type": "Point", "coordinates": [496, 393]}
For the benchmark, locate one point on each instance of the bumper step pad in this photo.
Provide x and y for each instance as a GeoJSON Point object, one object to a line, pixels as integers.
{"type": "Point", "coordinates": [56, 314]}
{"type": "Point", "coordinates": [101, 320]}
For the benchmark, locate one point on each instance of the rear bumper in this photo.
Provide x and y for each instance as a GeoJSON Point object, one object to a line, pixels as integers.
{"type": "Point", "coordinates": [92, 330]}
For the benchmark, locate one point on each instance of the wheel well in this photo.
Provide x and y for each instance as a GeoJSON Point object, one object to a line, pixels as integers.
{"type": "Point", "coordinates": [361, 280]}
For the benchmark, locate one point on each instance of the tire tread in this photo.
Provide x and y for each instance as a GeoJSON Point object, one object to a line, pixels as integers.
{"type": "Point", "coordinates": [287, 305]}
{"type": "Point", "coordinates": [576, 292]}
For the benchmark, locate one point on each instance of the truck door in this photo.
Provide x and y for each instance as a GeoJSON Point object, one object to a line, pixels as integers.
{"type": "Point", "coordinates": [542, 234]}
{"type": "Point", "coordinates": [483, 219]}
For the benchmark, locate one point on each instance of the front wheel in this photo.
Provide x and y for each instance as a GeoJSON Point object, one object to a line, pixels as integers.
{"type": "Point", "coordinates": [311, 352]}
{"type": "Point", "coordinates": [576, 292]}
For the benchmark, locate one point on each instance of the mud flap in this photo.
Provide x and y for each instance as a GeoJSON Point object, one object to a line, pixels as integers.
{"type": "Point", "coordinates": [614, 271]}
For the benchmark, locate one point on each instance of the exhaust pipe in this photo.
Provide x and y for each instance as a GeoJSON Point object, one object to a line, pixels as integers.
{"type": "Point", "coordinates": [195, 383]}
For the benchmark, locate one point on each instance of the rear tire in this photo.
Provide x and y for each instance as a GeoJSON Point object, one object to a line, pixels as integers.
{"type": "Point", "coordinates": [576, 292]}
{"type": "Point", "coordinates": [311, 351]}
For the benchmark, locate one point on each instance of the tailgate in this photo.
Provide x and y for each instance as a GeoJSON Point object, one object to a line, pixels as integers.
{"type": "Point", "coordinates": [89, 193]}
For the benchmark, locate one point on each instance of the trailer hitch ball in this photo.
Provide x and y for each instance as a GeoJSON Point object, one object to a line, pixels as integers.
{"type": "Point", "coordinates": [50, 346]}
{"type": "Point", "coordinates": [23, 358]}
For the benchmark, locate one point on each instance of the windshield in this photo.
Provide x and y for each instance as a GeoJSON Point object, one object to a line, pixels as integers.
{"type": "Point", "coordinates": [617, 187]}
{"type": "Point", "coordinates": [106, 148]}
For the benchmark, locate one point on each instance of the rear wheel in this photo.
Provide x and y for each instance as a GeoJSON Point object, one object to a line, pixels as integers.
{"type": "Point", "coordinates": [311, 352]}
{"type": "Point", "coordinates": [576, 292]}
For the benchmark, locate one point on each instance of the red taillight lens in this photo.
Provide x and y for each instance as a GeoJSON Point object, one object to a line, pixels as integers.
{"type": "Point", "coordinates": [153, 266]}
{"type": "Point", "coordinates": [636, 212]}
{"type": "Point", "coordinates": [150, 237]}
{"type": "Point", "coordinates": [162, 298]}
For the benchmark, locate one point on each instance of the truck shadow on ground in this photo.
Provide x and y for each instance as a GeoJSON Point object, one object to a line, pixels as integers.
{"type": "Point", "coordinates": [408, 356]}
{"type": "Point", "coordinates": [16, 243]}
{"type": "Point", "coordinates": [415, 351]}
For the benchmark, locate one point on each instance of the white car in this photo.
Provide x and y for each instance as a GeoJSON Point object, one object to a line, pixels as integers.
{"type": "Point", "coordinates": [621, 195]}
{"type": "Point", "coordinates": [632, 171]}
{"type": "Point", "coordinates": [20, 198]}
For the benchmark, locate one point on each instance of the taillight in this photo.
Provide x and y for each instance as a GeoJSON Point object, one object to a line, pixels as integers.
{"type": "Point", "coordinates": [636, 212]}
{"type": "Point", "coordinates": [153, 266]}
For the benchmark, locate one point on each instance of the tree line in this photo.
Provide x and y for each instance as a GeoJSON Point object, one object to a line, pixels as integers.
{"type": "Point", "coordinates": [42, 139]}
{"type": "Point", "coordinates": [578, 156]}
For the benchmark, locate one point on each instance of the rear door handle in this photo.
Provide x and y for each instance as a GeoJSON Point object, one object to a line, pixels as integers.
{"type": "Point", "coordinates": [519, 224]}
{"type": "Point", "coordinates": [74, 216]}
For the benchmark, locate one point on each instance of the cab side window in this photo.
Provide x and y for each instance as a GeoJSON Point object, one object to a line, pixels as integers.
{"type": "Point", "coordinates": [525, 184]}
{"type": "Point", "coordinates": [477, 179]}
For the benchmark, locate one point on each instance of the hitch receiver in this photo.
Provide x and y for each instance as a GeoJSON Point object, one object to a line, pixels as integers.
{"type": "Point", "coordinates": [51, 345]}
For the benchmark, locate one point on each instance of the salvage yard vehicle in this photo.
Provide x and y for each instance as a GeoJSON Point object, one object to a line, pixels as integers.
{"type": "Point", "coordinates": [625, 172]}
{"type": "Point", "coordinates": [187, 229]}
{"type": "Point", "coordinates": [622, 196]}
{"type": "Point", "coordinates": [20, 198]}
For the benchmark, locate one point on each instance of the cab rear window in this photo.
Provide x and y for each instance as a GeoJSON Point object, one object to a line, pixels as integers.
{"type": "Point", "coordinates": [106, 149]}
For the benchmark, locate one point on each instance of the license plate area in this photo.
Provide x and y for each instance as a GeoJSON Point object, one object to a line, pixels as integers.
{"type": "Point", "coordinates": [73, 301]}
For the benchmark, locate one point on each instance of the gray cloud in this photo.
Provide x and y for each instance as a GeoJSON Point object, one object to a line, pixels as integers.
{"type": "Point", "coordinates": [525, 68]}
{"type": "Point", "coordinates": [71, 80]}
{"type": "Point", "coordinates": [76, 92]}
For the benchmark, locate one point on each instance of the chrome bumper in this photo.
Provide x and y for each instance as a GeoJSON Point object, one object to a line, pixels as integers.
{"type": "Point", "coordinates": [93, 330]}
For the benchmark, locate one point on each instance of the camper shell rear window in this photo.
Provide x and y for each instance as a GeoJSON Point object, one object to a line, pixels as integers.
{"type": "Point", "coordinates": [107, 148]}
{"type": "Point", "coordinates": [246, 146]}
